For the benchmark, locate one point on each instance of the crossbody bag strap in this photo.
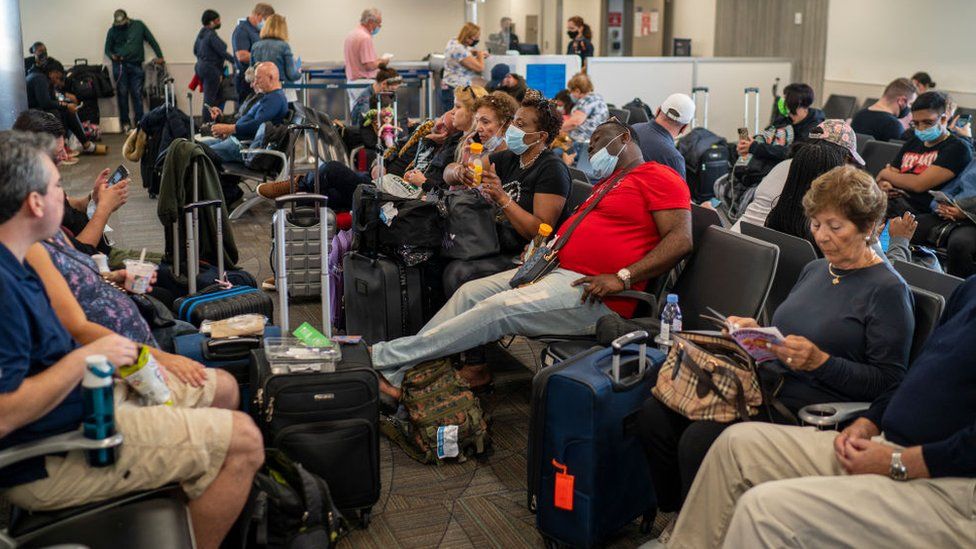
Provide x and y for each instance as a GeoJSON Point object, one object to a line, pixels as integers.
{"type": "Point", "coordinates": [609, 186]}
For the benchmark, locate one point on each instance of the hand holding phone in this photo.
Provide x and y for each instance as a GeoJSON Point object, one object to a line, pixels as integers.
{"type": "Point", "coordinates": [963, 120]}
{"type": "Point", "coordinates": [743, 134]}
{"type": "Point", "coordinates": [121, 173]}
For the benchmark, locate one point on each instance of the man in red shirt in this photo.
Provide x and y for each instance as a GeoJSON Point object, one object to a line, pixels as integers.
{"type": "Point", "coordinates": [639, 230]}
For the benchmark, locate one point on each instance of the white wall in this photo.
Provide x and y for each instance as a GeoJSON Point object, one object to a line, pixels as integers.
{"type": "Point", "coordinates": [411, 28]}
{"type": "Point", "coordinates": [872, 42]}
{"type": "Point", "coordinates": [695, 19]}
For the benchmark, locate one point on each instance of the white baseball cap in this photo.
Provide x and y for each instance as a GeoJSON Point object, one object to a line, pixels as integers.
{"type": "Point", "coordinates": [679, 107]}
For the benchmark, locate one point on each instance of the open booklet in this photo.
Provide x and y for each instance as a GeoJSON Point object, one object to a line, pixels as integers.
{"type": "Point", "coordinates": [752, 340]}
{"type": "Point", "coordinates": [943, 198]}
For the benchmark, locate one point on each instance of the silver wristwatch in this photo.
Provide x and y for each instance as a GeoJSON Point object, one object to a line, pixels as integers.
{"type": "Point", "coordinates": [897, 471]}
{"type": "Point", "coordinates": [624, 276]}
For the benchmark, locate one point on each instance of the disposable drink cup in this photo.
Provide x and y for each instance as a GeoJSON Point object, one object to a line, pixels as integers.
{"type": "Point", "coordinates": [138, 275]}
{"type": "Point", "coordinates": [101, 260]}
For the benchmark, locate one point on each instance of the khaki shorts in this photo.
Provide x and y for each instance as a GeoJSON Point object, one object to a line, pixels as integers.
{"type": "Point", "coordinates": [185, 443]}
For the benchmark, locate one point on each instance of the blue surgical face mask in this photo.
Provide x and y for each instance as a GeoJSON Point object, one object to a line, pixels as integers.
{"type": "Point", "coordinates": [260, 24]}
{"type": "Point", "coordinates": [515, 139]}
{"type": "Point", "coordinates": [602, 162]}
{"type": "Point", "coordinates": [375, 31]}
{"type": "Point", "coordinates": [493, 142]}
{"type": "Point", "coordinates": [930, 134]}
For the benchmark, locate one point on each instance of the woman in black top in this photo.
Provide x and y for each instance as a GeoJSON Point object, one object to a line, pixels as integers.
{"type": "Point", "coordinates": [211, 53]}
{"type": "Point", "coordinates": [581, 38]}
{"type": "Point", "coordinates": [527, 182]}
{"type": "Point", "coordinates": [848, 326]}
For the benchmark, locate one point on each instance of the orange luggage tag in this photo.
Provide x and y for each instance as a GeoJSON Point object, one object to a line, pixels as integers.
{"type": "Point", "coordinates": [563, 497]}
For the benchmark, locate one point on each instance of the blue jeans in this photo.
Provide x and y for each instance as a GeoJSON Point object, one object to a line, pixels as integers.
{"type": "Point", "coordinates": [488, 309]}
{"type": "Point", "coordinates": [128, 82]}
{"type": "Point", "coordinates": [337, 181]}
{"type": "Point", "coordinates": [229, 150]}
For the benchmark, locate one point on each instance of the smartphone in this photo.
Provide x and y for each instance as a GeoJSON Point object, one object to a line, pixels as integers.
{"type": "Point", "coordinates": [963, 120]}
{"type": "Point", "coordinates": [120, 174]}
{"type": "Point", "coordinates": [743, 134]}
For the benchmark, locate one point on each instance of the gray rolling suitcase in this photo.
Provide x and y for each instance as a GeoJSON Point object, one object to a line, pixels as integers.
{"type": "Point", "coordinates": [302, 235]}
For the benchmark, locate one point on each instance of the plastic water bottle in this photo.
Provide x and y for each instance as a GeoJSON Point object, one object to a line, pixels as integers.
{"type": "Point", "coordinates": [670, 321]}
{"type": "Point", "coordinates": [98, 408]}
{"type": "Point", "coordinates": [475, 162]}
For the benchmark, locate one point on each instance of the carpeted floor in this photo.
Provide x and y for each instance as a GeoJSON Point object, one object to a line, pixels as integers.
{"type": "Point", "coordinates": [457, 505]}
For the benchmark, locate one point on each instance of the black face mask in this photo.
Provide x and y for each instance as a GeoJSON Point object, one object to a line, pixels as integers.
{"type": "Point", "coordinates": [216, 27]}
{"type": "Point", "coordinates": [474, 43]}
{"type": "Point", "coordinates": [572, 34]}
{"type": "Point", "coordinates": [904, 111]}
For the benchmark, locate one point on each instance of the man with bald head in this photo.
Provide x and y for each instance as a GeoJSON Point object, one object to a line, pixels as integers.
{"type": "Point", "coordinates": [271, 107]}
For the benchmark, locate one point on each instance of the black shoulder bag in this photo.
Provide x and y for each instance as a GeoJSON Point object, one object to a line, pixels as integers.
{"type": "Point", "coordinates": [546, 259]}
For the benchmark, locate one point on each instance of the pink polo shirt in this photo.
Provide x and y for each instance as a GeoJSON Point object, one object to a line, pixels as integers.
{"type": "Point", "coordinates": [358, 51]}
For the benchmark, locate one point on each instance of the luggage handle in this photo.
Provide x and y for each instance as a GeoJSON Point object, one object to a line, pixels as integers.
{"type": "Point", "coordinates": [281, 272]}
{"type": "Point", "coordinates": [230, 348]}
{"type": "Point", "coordinates": [699, 89]}
{"type": "Point", "coordinates": [192, 255]}
{"type": "Point", "coordinates": [745, 112]}
{"type": "Point", "coordinates": [638, 336]}
{"type": "Point", "coordinates": [77, 59]}
{"type": "Point", "coordinates": [189, 100]}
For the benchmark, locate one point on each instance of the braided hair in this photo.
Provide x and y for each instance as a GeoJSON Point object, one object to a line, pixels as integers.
{"type": "Point", "coordinates": [809, 162]}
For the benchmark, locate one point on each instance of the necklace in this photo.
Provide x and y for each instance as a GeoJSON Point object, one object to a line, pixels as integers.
{"type": "Point", "coordinates": [837, 277]}
{"type": "Point", "coordinates": [523, 165]}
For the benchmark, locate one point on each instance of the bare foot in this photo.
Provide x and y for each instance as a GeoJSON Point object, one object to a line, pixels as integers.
{"type": "Point", "coordinates": [476, 374]}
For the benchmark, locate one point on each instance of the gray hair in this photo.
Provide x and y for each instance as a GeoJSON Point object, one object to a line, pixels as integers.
{"type": "Point", "coordinates": [22, 168]}
{"type": "Point", "coordinates": [370, 15]}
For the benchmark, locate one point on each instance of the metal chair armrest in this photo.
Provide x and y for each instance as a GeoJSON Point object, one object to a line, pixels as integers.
{"type": "Point", "coordinates": [831, 414]}
{"type": "Point", "coordinates": [648, 298]}
{"type": "Point", "coordinates": [74, 440]}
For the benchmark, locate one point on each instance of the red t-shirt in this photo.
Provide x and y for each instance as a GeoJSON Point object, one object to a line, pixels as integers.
{"type": "Point", "coordinates": [621, 229]}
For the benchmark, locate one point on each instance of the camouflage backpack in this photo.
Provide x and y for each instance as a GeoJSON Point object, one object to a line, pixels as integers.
{"type": "Point", "coordinates": [446, 420]}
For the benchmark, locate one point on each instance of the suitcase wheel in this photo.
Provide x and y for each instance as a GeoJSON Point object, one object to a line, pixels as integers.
{"type": "Point", "coordinates": [647, 522]}
{"type": "Point", "coordinates": [365, 516]}
{"type": "Point", "coordinates": [551, 543]}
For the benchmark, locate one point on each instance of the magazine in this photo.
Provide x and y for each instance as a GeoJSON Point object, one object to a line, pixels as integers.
{"type": "Point", "coordinates": [943, 198]}
{"type": "Point", "coordinates": [752, 340]}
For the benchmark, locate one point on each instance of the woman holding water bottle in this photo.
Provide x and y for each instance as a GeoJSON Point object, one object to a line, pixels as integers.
{"type": "Point", "coordinates": [848, 323]}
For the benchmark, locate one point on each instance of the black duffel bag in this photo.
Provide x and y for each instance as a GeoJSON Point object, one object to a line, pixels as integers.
{"type": "Point", "coordinates": [470, 230]}
{"type": "Point", "coordinates": [416, 223]}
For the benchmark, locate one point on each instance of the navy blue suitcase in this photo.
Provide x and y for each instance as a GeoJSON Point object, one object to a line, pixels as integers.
{"type": "Point", "coordinates": [583, 424]}
{"type": "Point", "coordinates": [231, 354]}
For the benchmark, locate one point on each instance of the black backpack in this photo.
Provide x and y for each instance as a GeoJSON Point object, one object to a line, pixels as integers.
{"type": "Point", "coordinates": [276, 138]}
{"type": "Point", "coordinates": [89, 82]}
{"type": "Point", "coordinates": [292, 508]}
{"type": "Point", "coordinates": [635, 105]}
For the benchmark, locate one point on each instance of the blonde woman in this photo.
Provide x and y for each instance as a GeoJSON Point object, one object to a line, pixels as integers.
{"type": "Point", "coordinates": [273, 47]}
{"type": "Point", "coordinates": [462, 63]}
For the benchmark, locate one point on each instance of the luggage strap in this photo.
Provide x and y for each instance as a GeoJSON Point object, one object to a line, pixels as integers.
{"type": "Point", "coordinates": [185, 311]}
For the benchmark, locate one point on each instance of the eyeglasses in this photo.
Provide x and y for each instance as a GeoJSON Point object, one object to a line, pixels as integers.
{"type": "Point", "coordinates": [924, 124]}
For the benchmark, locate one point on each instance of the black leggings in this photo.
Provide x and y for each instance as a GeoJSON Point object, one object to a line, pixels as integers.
{"type": "Point", "coordinates": [960, 248]}
{"type": "Point", "coordinates": [675, 448]}
{"type": "Point", "coordinates": [71, 123]}
{"type": "Point", "coordinates": [337, 181]}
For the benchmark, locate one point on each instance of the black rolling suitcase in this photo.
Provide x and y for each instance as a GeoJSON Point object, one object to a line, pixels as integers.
{"type": "Point", "coordinates": [383, 297]}
{"type": "Point", "coordinates": [217, 301]}
{"type": "Point", "coordinates": [326, 419]}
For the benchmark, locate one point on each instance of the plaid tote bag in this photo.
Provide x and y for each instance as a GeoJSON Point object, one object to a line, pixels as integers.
{"type": "Point", "coordinates": [709, 377]}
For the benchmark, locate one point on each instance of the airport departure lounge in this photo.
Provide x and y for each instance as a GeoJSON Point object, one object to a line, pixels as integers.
{"type": "Point", "coordinates": [547, 274]}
